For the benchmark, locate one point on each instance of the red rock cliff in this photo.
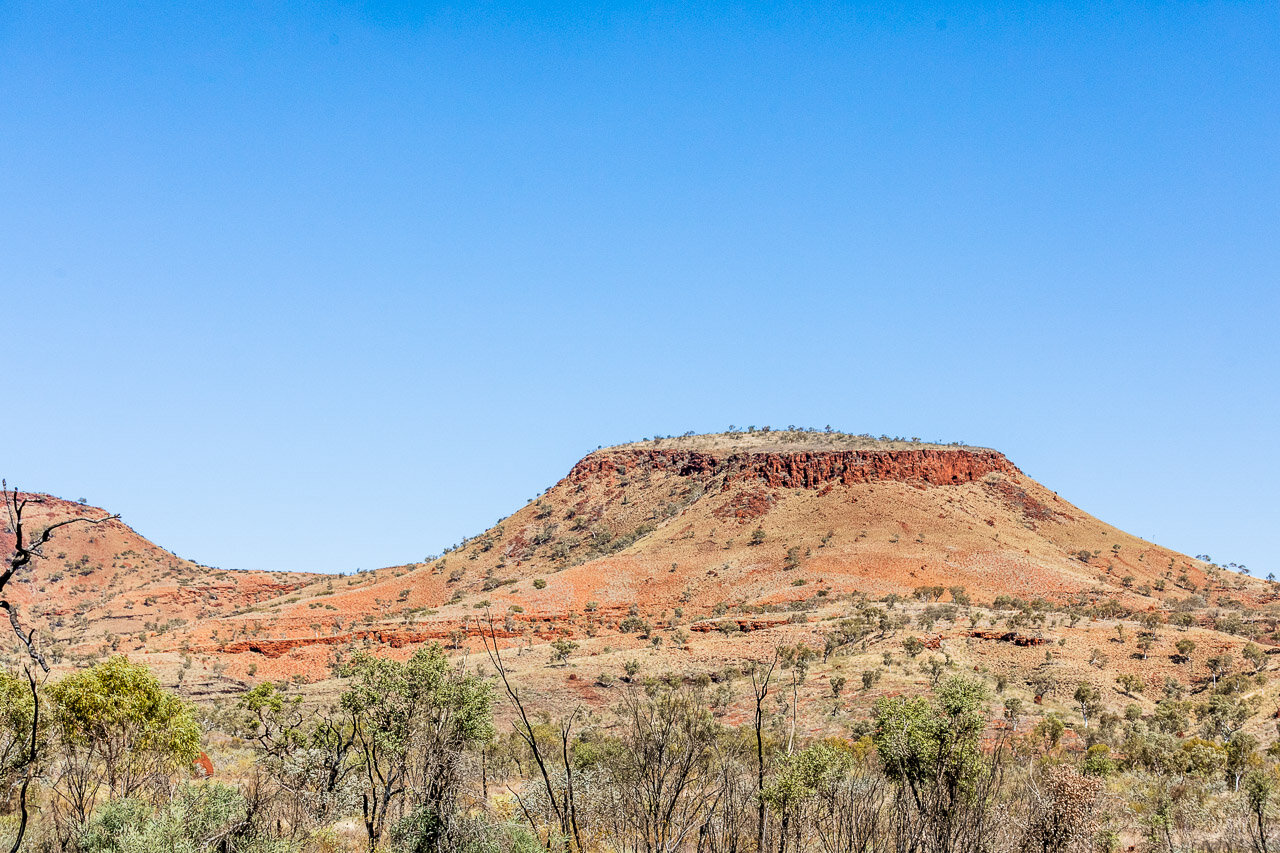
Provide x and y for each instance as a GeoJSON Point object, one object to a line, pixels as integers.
{"type": "Point", "coordinates": [804, 469]}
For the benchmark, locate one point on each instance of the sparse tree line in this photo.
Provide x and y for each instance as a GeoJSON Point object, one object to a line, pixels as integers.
{"type": "Point", "coordinates": [409, 759]}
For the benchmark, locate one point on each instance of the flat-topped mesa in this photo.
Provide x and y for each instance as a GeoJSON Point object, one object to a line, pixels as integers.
{"type": "Point", "coordinates": [806, 469]}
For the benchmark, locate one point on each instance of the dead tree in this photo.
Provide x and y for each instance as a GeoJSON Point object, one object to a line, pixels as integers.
{"type": "Point", "coordinates": [564, 805]}
{"type": "Point", "coordinates": [760, 688]}
{"type": "Point", "coordinates": [25, 549]}
{"type": "Point", "coordinates": [667, 769]}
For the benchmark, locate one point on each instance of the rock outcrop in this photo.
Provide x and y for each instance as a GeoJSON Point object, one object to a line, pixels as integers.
{"type": "Point", "coordinates": [802, 469]}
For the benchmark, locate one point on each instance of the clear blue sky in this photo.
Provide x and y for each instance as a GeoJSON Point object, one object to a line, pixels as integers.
{"type": "Point", "coordinates": [325, 286]}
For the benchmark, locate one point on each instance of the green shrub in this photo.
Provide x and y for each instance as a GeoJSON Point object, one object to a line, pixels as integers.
{"type": "Point", "coordinates": [1097, 761]}
{"type": "Point", "coordinates": [195, 820]}
{"type": "Point", "coordinates": [118, 709]}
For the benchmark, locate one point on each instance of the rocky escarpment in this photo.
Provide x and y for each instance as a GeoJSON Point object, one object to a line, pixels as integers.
{"type": "Point", "coordinates": [802, 469]}
{"type": "Point", "coordinates": [395, 639]}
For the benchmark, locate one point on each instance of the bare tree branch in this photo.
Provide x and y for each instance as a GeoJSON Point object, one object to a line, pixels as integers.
{"type": "Point", "coordinates": [23, 553]}
{"type": "Point", "coordinates": [27, 638]}
{"type": "Point", "coordinates": [29, 765]}
{"type": "Point", "coordinates": [566, 810]}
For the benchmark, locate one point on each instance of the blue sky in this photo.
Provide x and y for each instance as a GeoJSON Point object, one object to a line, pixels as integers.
{"type": "Point", "coordinates": [326, 286]}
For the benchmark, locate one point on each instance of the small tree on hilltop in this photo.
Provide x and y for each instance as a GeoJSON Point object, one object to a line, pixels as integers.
{"type": "Point", "coordinates": [1130, 683]}
{"type": "Point", "coordinates": [561, 648]}
{"type": "Point", "coordinates": [1089, 700]}
{"type": "Point", "coordinates": [1219, 665]}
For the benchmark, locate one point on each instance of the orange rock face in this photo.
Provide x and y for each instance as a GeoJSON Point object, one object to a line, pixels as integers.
{"type": "Point", "coordinates": [1008, 637]}
{"type": "Point", "coordinates": [803, 469]}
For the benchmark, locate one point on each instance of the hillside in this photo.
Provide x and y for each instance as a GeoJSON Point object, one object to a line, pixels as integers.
{"type": "Point", "coordinates": [713, 522]}
{"type": "Point", "coordinates": [697, 553]}
{"type": "Point", "coordinates": [97, 586]}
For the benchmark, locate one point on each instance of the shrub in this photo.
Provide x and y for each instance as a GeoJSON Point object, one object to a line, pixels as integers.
{"type": "Point", "coordinates": [114, 719]}
{"type": "Point", "coordinates": [1097, 761]}
{"type": "Point", "coordinates": [1064, 812]}
{"type": "Point", "coordinates": [412, 719]}
{"type": "Point", "coordinates": [634, 623]}
{"type": "Point", "coordinates": [561, 648]}
{"type": "Point", "coordinates": [197, 813]}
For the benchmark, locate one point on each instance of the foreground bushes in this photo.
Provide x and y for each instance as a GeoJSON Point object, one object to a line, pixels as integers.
{"type": "Point", "coordinates": [196, 817]}
{"type": "Point", "coordinates": [408, 761]}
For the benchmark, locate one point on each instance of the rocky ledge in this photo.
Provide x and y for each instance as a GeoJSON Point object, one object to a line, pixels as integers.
{"type": "Point", "coordinates": [802, 469]}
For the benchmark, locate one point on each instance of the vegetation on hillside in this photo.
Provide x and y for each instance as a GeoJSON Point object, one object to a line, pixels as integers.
{"type": "Point", "coordinates": [1133, 708]}
{"type": "Point", "coordinates": [409, 759]}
